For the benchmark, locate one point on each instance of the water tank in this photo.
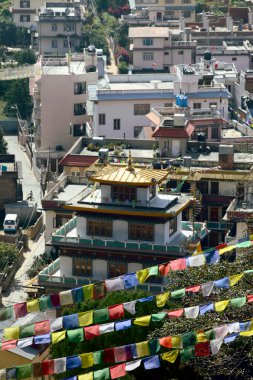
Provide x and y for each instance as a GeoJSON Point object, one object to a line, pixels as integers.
{"type": "Point", "coordinates": [181, 100]}
{"type": "Point", "coordinates": [207, 55]}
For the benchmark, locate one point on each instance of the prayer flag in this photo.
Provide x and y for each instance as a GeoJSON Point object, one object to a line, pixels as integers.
{"type": "Point", "coordinates": [212, 257]}
{"type": "Point", "coordinates": [187, 354]}
{"type": "Point", "coordinates": [238, 302]}
{"type": "Point", "coordinates": [57, 324]}
{"type": "Point", "coordinates": [11, 333]}
{"type": "Point", "coordinates": [207, 288]}
{"type": "Point", "coordinates": [234, 279]}
{"type": "Point", "coordinates": [47, 367]}
{"type": "Point", "coordinates": [154, 346]}
{"type": "Point", "coordinates": [142, 349]}
{"type": "Point", "coordinates": [42, 339]}
{"type": "Point", "coordinates": [158, 317]}
{"type": "Point", "coordinates": [102, 374]}
{"type": "Point", "coordinates": [202, 349]}
{"type": "Point", "coordinates": [11, 373]}
{"type": "Point", "coordinates": [26, 342]}
{"type": "Point", "coordinates": [114, 284]}
{"type": "Point", "coordinates": [70, 321]}
{"type": "Point", "coordinates": [66, 298]}
{"type": "Point", "coordinates": [73, 362]}
{"type": "Point", "coordinates": [77, 294]}
{"type": "Point", "coordinates": [161, 299]}
{"type": "Point", "coordinates": [86, 376]}
{"type": "Point", "coordinates": [153, 271]}
{"type": "Point", "coordinates": [164, 269]}
{"type": "Point", "coordinates": [215, 345]}
{"type": "Point", "coordinates": [109, 355]}
{"type": "Point", "coordinates": [124, 325]}
{"type": "Point", "coordinates": [226, 249]}
{"type": "Point", "coordinates": [26, 330]}
{"type": "Point", "coordinates": [130, 280]}
{"type": "Point", "coordinates": [98, 357]}
{"type": "Point", "coordinates": [152, 362]}
{"type": "Point", "coordinates": [246, 333]}
{"type": "Point", "coordinates": [142, 275]}
{"type": "Point", "coordinates": [116, 311]}
{"type": "Point", "coordinates": [9, 344]}
{"type": "Point", "coordinates": [179, 264]}
{"type": "Point", "coordinates": [196, 261]}
{"type": "Point", "coordinates": [120, 354]}
{"type": "Point", "coordinates": [91, 332]}
{"type": "Point", "coordinates": [206, 308]}
{"type": "Point", "coordinates": [191, 312]}
{"type": "Point", "coordinates": [176, 341]}
{"type": "Point", "coordinates": [180, 293]}
{"type": "Point", "coordinates": [189, 339]}
{"type": "Point", "coordinates": [220, 331]}
{"type": "Point", "coordinates": [45, 303]}
{"type": "Point", "coordinates": [249, 298]}
{"type": "Point", "coordinates": [118, 371]}
{"type": "Point", "coordinates": [222, 283]}
{"type": "Point", "coordinates": [99, 290]}
{"type": "Point", "coordinates": [166, 342]}
{"type": "Point", "coordinates": [88, 291]}
{"type": "Point", "coordinates": [86, 318]}
{"type": "Point", "coordinates": [60, 365]}
{"type": "Point", "coordinates": [176, 313]}
{"type": "Point", "coordinates": [193, 289]}
{"type": "Point", "coordinates": [170, 356]}
{"type": "Point", "coordinates": [58, 336]}
{"type": "Point", "coordinates": [131, 366]}
{"type": "Point", "coordinates": [101, 315]}
{"type": "Point", "coordinates": [106, 328]}
{"type": "Point", "coordinates": [76, 335]}
{"type": "Point", "coordinates": [33, 306]}
{"type": "Point", "coordinates": [55, 299]}
{"type": "Point", "coordinates": [87, 360]}
{"type": "Point", "coordinates": [130, 307]}
{"type": "Point", "coordinates": [143, 321]}
{"type": "Point", "coordinates": [221, 305]}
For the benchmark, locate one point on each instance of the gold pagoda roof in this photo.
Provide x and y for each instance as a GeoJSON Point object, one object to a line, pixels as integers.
{"type": "Point", "coordinates": [129, 176]}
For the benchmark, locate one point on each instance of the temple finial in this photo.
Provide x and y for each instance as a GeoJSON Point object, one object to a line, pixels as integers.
{"type": "Point", "coordinates": [130, 166]}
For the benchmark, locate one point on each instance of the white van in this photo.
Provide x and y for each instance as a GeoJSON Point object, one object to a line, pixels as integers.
{"type": "Point", "coordinates": [11, 222]}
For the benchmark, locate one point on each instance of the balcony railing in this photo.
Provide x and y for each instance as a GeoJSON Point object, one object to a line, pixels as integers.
{"type": "Point", "coordinates": [219, 225]}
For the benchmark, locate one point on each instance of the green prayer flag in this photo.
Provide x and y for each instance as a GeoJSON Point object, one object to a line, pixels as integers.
{"type": "Point", "coordinates": [178, 293]}
{"type": "Point", "coordinates": [238, 302]}
{"type": "Point", "coordinates": [154, 346]}
{"type": "Point", "coordinates": [158, 317]}
{"type": "Point", "coordinates": [187, 354]}
{"type": "Point", "coordinates": [248, 271]}
{"type": "Point", "coordinates": [189, 339]}
{"type": "Point", "coordinates": [244, 244]}
{"type": "Point", "coordinates": [101, 315]}
{"type": "Point", "coordinates": [210, 334]}
{"type": "Point", "coordinates": [153, 271]}
{"type": "Point", "coordinates": [98, 357]}
{"type": "Point", "coordinates": [26, 330]}
{"type": "Point", "coordinates": [75, 336]}
{"type": "Point", "coordinates": [24, 371]}
{"type": "Point", "coordinates": [45, 303]}
{"type": "Point", "coordinates": [102, 374]}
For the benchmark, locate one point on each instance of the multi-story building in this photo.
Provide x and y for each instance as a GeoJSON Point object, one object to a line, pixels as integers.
{"type": "Point", "coordinates": [123, 224]}
{"type": "Point", "coordinates": [59, 29]}
{"type": "Point", "coordinates": [10, 174]}
{"type": "Point", "coordinates": [166, 9]}
{"type": "Point", "coordinates": [159, 48]}
{"type": "Point", "coordinates": [59, 95]}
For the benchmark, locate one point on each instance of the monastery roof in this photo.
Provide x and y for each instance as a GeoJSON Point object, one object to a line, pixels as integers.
{"type": "Point", "coordinates": [136, 176]}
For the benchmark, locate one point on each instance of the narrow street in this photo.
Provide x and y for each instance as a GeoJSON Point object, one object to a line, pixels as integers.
{"type": "Point", "coordinates": [17, 292]}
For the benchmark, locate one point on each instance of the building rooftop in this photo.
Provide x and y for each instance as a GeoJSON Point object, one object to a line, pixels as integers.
{"type": "Point", "coordinates": [61, 67]}
{"type": "Point", "coordinates": [142, 32]}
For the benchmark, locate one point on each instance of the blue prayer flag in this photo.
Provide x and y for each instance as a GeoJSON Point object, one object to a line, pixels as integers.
{"type": "Point", "coordinates": [123, 325]}
{"type": "Point", "coordinates": [134, 350]}
{"type": "Point", "coordinates": [130, 280]}
{"type": "Point", "coordinates": [230, 338]}
{"type": "Point", "coordinates": [73, 362]}
{"type": "Point", "coordinates": [42, 339]}
{"type": "Point", "coordinates": [70, 321]}
{"type": "Point", "coordinates": [212, 257]}
{"type": "Point", "coordinates": [205, 308]}
{"type": "Point", "coordinates": [223, 283]}
{"type": "Point", "coordinates": [152, 362]}
{"type": "Point", "coordinates": [146, 299]}
{"type": "Point", "coordinates": [77, 294]}
{"type": "Point", "coordinates": [244, 326]}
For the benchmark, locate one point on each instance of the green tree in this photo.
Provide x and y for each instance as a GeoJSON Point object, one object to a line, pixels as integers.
{"type": "Point", "coordinates": [17, 93]}
{"type": "Point", "coordinates": [8, 255]}
{"type": "Point", "coordinates": [26, 56]}
{"type": "Point", "coordinates": [3, 143]}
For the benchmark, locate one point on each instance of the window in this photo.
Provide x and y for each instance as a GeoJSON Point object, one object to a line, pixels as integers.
{"type": "Point", "coordinates": [213, 104]}
{"type": "Point", "coordinates": [81, 267]}
{"type": "Point", "coordinates": [169, 1]}
{"type": "Point", "coordinates": [196, 106]}
{"type": "Point", "coordinates": [202, 186]}
{"type": "Point", "coordinates": [187, 14]}
{"type": "Point", "coordinates": [116, 269]}
{"type": "Point", "coordinates": [168, 105]}
{"type": "Point", "coordinates": [79, 88]}
{"type": "Point", "coordinates": [60, 220]}
{"type": "Point", "coordinates": [99, 228]}
{"type": "Point", "coordinates": [25, 18]}
{"type": "Point", "coordinates": [116, 124]}
{"type": "Point", "coordinates": [54, 44]}
{"type": "Point", "coordinates": [123, 193]}
{"type": "Point", "coordinates": [180, 52]}
{"type": "Point", "coordinates": [137, 130]}
{"type": "Point", "coordinates": [79, 109]}
{"type": "Point", "coordinates": [148, 56]}
{"type": "Point", "coordinates": [172, 226]}
{"type": "Point", "coordinates": [69, 27]}
{"type": "Point", "coordinates": [66, 44]}
{"type": "Point", "coordinates": [147, 41]}
{"type": "Point", "coordinates": [24, 4]}
{"type": "Point", "coordinates": [54, 27]}
{"type": "Point", "coordinates": [101, 119]}
{"type": "Point", "coordinates": [79, 130]}
{"type": "Point", "coordinates": [166, 53]}
{"type": "Point", "coordinates": [138, 231]}
{"type": "Point", "coordinates": [214, 214]}
{"type": "Point", "coordinates": [234, 59]}
{"type": "Point", "coordinates": [214, 133]}
{"type": "Point", "coordinates": [214, 188]}
{"type": "Point", "coordinates": [141, 109]}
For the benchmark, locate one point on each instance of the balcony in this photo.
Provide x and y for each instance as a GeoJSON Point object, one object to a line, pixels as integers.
{"type": "Point", "coordinates": [240, 211]}
{"type": "Point", "coordinates": [67, 234]}
{"type": "Point", "coordinates": [219, 199]}
{"type": "Point", "coordinates": [184, 44]}
{"type": "Point", "coordinates": [219, 225]}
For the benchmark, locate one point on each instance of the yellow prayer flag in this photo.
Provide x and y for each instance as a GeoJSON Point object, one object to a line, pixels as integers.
{"type": "Point", "coordinates": [170, 356]}
{"type": "Point", "coordinates": [176, 341]}
{"type": "Point", "coordinates": [88, 291]}
{"type": "Point", "coordinates": [33, 306]}
{"type": "Point", "coordinates": [86, 376]}
{"type": "Point", "coordinates": [86, 318]}
{"type": "Point", "coordinates": [221, 305]}
{"type": "Point", "coordinates": [87, 360]}
{"type": "Point", "coordinates": [226, 249]}
{"type": "Point", "coordinates": [251, 325]}
{"type": "Point", "coordinates": [11, 333]}
{"type": "Point", "coordinates": [161, 299]}
{"type": "Point", "coordinates": [142, 321]}
{"type": "Point", "coordinates": [58, 336]}
{"type": "Point", "coordinates": [142, 275]}
{"type": "Point", "coordinates": [142, 349]}
{"type": "Point", "coordinates": [234, 279]}
{"type": "Point", "coordinates": [201, 337]}
{"type": "Point", "coordinates": [246, 333]}
{"type": "Point", "coordinates": [251, 237]}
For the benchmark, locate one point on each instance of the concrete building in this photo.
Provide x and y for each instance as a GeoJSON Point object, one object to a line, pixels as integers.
{"type": "Point", "coordinates": [159, 48]}
{"type": "Point", "coordinates": [123, 224]}
{"type": "Point", "coordinates": [59, 95]}
{"type": "Point", "coordinates": [59, 29]}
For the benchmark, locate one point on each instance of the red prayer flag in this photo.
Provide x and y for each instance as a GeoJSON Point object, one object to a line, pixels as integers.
{"type": "Point", "coordinates": [179, 264]}
{"type": "Point", "coordinates": [220, 246]}
{"type": "Point", "coordinates": [118, 371]}
{"type": "Point", "coordinates": [55, 299]}
{"type": "Point", "coordinates": [20, 310]}
{"type": "Point", "coordinates": [176, 313]}
{"type": "Point", "coordinates": [41, 328]}
{"type": "Point", "coordinates": [164, 269]}
{"type": "Point", "coordinates": [9, 344]}
{"type": "Point", "coordinates": [249, 298]}
{"type": "Point", "coordinates": [48, 367]}
{"type": "Point", "coordinates": [202, 349]}
{"type": "Point", "coordinates": [116, 311]}
{"type": "Point", "coordinates": [166, 342]}
{"type": "Point", "coordinates": [91, 332]}
{"type": "Point", "coordinates": [193, 289]}
{"type": "Point", "coordinates": [109, 356]}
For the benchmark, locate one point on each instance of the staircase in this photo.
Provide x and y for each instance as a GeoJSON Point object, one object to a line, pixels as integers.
{"type": "Point", "coordinates": [197, 200]}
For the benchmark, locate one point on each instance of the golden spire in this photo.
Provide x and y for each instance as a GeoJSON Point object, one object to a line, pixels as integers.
{"type": "Point", "coordinates": [130, 166]}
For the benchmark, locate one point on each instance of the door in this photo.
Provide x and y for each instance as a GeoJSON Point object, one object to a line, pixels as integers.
{"type": "Point", "coordinates": [159, 16]}
{"type": "Point", "coordinates": [175, 148]}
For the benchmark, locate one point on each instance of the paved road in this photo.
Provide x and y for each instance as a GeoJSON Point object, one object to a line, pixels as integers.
{"type": "Point", "coordinates": [29, 181]}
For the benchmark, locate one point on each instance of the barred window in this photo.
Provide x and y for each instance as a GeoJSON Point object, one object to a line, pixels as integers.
{"type": "Point", "coordinates": [99, 228]}
{"type": "Point", "coordinates": [123, 193]}
{"type": "Point", "coordinates": [141, 109]}
{"type": "Point", "coordinates": [81, 267]}
{"type": "Point", "coordinates": [139, 231]}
